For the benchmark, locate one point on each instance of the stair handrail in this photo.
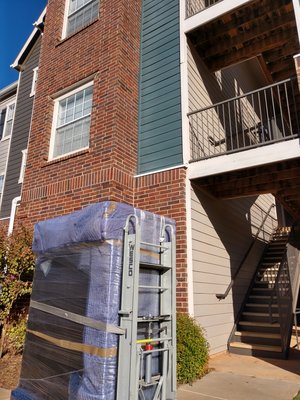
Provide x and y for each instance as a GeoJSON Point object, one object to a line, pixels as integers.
{"type": "Point", "coordinates": [222, 296]}
{"type": "Point", "coordinates": [274, 290]}
{"type": "Point", "coordinates": [285, 316]}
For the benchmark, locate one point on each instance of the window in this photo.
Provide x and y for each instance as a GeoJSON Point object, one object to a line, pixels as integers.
{"type": "Point", "coordinates": [2, 120]}
{"type": "Point", "coordinates": [10, 110]}
{"type": "Point", "coordinates": [23, 165]}
{"type": "Point", "coordinates": [72, 117]}
{"type": "Point", "coordinates": [1, 183]}
{"type": "Point", "coordinates": [79, 14]}
{"type": "Point", "coordinates": [34, 80]}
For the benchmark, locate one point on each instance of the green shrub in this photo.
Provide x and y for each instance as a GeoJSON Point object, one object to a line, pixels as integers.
{"type": "Point", "coordinates": [192, 350]}
{"type": "Point", "coordinates": [16, 272]}
{"type": "Point", "coordinates": [297, 397]}
{"type": "Point", "coordinates": [16, 336]}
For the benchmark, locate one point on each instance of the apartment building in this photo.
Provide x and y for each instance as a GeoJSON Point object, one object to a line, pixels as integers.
{"type": "Point", "coordinates": [188, 109]}
{"type": "Point", "coordinates": [17, 124]}
{"type": "Point", "coordinates": [7, 111]}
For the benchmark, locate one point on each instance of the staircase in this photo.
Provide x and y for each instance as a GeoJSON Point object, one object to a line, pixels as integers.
{"type": "Point", "coordinates": [256, 333]}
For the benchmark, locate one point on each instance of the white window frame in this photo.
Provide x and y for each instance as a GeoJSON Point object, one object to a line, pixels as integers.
{"type": "Point", "coordinates": [34, 80]}
{"type": "Point", "coordinates": [2, 187]}
{"type": "Point", "coordinates": [55, 118]}
{"type": "Point", "coordinates": [66, 19]}
{"type": "Point", "coordinates": [23, 165]}
{"type": "Point", "coordinates": [5, 137]}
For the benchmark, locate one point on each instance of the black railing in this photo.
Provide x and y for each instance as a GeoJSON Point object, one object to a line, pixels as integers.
{"type": "Point", "coordinates": [195, 6]}
{"type": "Point", "coordinates": [282, 292]}
{"type": "Point", "coordinates": [222, 296]}
{"type": "Point", "coordinates": [254, 119]}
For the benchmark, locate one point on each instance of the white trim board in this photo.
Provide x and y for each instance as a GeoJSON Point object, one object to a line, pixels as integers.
{"type": "Point", "coordinates": [245, 159]}
{"type": "Point", "coordinates": [184, 88]}
{"type": "Point", "coordinates": [15, 64]}
{"type": "Point", "coordinates": [296, 4]}
{"type": "Point", "coordinates": [212, 12]}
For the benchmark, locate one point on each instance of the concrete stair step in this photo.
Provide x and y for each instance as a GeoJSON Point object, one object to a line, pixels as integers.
{"type": "Point", "coordinates": [258, 316]}
{"type": "Point", "coordinates": [252, 346]}
{"type": "Point", "coordinates": [260, 297]}
{"type": "Point", "coordinates": [269, 265]}
{"type": "Point", "coordinates": [264, 335]}
{"type": "Point", "coordinates": [257, 297]}
{"type": "Point", "coordinates": [259, 307]}
{"type": "Point", "coordinates": [252, 337]}
{"type": "Point", "coordinates": [259, 326]}
{"type": "Point", "coordinates": [261, 282]}
{"type": "Point", "coordinates": [279, 239]}
{"type": "Point", "coordinates": [262, 324]}
{"type": "Point", "coordinates": [262, 291]}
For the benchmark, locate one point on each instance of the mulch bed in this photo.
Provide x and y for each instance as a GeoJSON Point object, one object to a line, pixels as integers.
{"type": "Point", "coordinates": [10, 366]}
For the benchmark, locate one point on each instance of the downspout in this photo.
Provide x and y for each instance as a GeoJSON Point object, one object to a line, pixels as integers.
{"type": "Point", "coordinates": [14, 205]}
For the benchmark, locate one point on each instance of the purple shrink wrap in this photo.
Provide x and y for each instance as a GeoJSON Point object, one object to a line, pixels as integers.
{"type": "Point", "coordinates": [72, 335]}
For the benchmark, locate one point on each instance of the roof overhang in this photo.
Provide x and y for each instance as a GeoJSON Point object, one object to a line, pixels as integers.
{"type": "Point", "coordinates": [8, 91]}
{"type": "Point", "coordinates": [35, 34]}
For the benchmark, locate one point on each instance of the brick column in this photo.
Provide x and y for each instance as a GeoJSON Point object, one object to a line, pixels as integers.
{"type": "Point", "coordinates": [164, 193]}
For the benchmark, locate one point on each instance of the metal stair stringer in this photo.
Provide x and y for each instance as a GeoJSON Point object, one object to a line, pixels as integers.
{"type": "Point", "coordinates": [258, 331]}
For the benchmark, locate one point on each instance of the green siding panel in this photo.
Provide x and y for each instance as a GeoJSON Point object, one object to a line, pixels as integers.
{"type": "Point", "coordinates": [147, 61]}
{"type": "Point", "coordinates": [164, 132]}
{"type": "Point", "coordinates": [160, 137]}
{"type": "Point", "coordinates": [159, 101]}
{"type": "Point", "coordinates": [157, 113]}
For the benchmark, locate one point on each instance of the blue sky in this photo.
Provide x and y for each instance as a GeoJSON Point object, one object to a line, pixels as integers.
{"type": "Point", "coordinates": [16, 19]}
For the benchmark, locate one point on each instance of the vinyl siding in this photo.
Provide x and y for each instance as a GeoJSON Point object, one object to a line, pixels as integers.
{"type": "Point", "coordinates": [160, 137]}
{"type": "Point", "coordinates": [221, 234]}
{"type": "Point", "coordinates": [4, 146]}
{"type": "Point", "coordinates": [206, 89]}
{"type": "Point", "coordinates": [222, 230]}
{"type": "Point", "coordinates": [21, 130]}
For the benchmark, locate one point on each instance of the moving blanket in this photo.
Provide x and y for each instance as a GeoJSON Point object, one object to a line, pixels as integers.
{"type": "Point", "coordinates": [72, 334]}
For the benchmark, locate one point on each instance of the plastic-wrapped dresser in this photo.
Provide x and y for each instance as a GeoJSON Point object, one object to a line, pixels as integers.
{"type": "Point", "coordinates": [71, 348]}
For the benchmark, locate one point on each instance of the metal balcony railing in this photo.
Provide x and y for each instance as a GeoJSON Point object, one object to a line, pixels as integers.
{"type": "Point", "coordinates": [254, 119]}
{"type": "Point", "coordinates": [195, 6]}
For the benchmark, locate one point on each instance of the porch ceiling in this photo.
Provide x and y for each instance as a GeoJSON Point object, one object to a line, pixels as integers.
{"type": "Point", "coordinates": [281, 179]}
{"type": "Point", "coordinates": [263, 28]}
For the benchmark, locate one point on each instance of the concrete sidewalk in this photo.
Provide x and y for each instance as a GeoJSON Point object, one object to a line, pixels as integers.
{"type": "Point", "coordinates": [235, 377]}
{"type": "Point", "coordinates": [4, 394]}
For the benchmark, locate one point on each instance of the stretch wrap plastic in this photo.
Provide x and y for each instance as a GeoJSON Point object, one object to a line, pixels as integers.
{"type": "Point", "coordinates": [77, 283]}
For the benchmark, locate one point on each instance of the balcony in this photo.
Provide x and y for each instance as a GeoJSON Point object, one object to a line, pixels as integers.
{"type": "Point", "coordinates": [249, 145]}
{"type": "Point", "coordinates": [255, 119]}
{"type": "Point", "coordinates": [244, 99]}
{"type": "Point", "coordinates": [238, 30]}
{"type": "Point", "coordinates": [195, 6]}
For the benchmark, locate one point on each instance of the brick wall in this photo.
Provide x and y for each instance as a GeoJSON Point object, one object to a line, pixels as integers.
{"type": "Point", "coordinates": [164, 193]}
{"type": "Point", "coordinates": [108, 49]}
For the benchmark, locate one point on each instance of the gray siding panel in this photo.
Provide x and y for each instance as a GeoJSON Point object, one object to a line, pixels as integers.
{"type": "Point", "coordinates": [221, 233]}
{"type": "Point", "coordinates": [160, 138]}
{"type": "Point", "coordinates": [4, 145]}
{"type": "Point", "coordinates": [21, 130]}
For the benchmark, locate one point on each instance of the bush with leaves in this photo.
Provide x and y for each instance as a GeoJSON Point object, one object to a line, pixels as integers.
{"type": "Point", "coordinates": [16, 272]}
{"type": "Point", "coordinates": [192, 350]}
{"type": "Point", "coordinates": [15, 336]}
